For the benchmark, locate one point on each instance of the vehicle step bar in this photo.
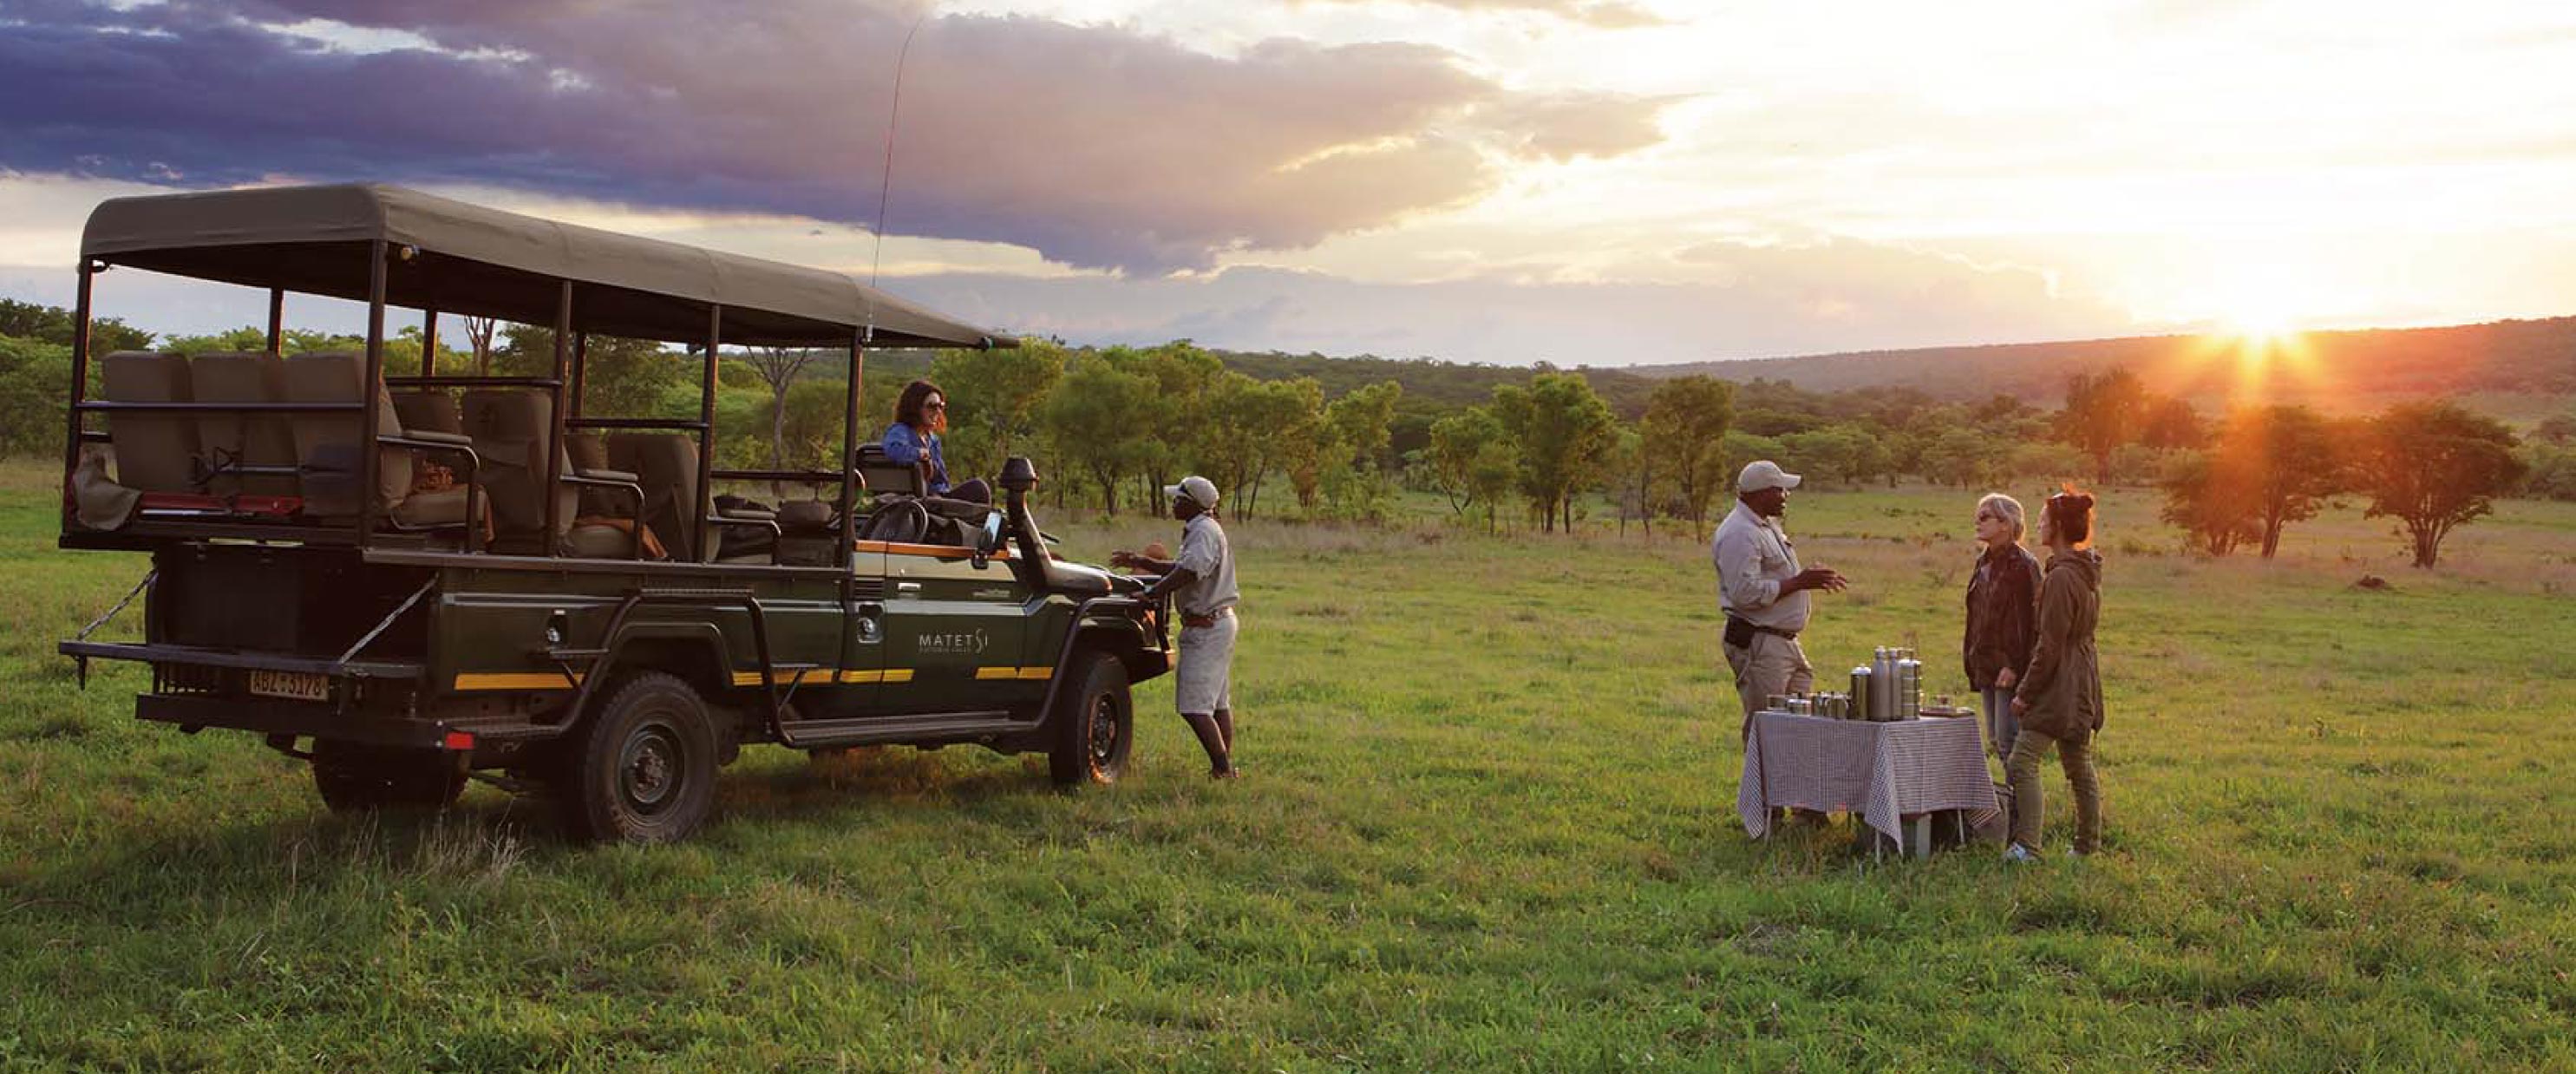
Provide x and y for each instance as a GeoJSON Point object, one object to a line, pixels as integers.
{"type": "Point", "coordinates": [863, 730]}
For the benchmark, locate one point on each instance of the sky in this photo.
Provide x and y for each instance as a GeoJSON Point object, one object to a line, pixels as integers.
{"type": "Point", "coordinates": [1603, 182]}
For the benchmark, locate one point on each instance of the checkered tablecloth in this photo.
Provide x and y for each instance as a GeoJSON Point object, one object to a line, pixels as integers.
{"type": "Point", "coordinates": [1882, 771]}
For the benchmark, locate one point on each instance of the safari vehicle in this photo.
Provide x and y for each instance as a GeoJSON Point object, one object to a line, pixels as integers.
{"type": "Point", "coordinates": [314, 582]}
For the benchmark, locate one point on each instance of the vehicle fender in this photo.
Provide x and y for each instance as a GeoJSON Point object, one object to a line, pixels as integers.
{"type": "Point", "coordinates": [1116, 635]}
{"type": "Point", "coordinates": [696, 652]}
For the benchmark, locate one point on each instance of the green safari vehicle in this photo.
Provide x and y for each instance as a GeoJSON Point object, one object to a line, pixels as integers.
{"type": "Point", "coordinates": [410, 581]}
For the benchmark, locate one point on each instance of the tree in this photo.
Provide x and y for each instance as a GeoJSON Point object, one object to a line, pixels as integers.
{"type": "Point", "coordinates": [2214, 513]}
{"type": "Point", "coordinates": [994, 397]}
{"type": "Point", "coordinates": [2285, 457]}
{"type": "Point", "coordinates": [1834, 451]}
{"type": "Point", "coordinates": [53, 324]}
{"type": "Point", "coordinates": [2103, 411]}
{"type": "Point", "coordinates": [1175, 421]}
{"type": "Point", "coordinates": [1685, 431]}
{"type": "Point", "coordinates": [778, 368]}
{"type": "Point", "coordinates": [1355, 476]}
{"type": "Point", "coordinates": [1628, 473]}
{"type": "Point", "coordinates": [478, 332]}
{"type": "Point", "coordinates": [1459, 446]}
{"type": "Point", "coordinates": [620, 377]}
{"type": "Point", "coordinates": [2170, 422]}
{"type": "Point", "coordinates": [1562, 428]}
{"type": "Point", "coordinates": [1089, 419]}
{"type": "Point", "coordinates": [2433, 466]}
{"type": "Point", "coordinates": [35, 388]}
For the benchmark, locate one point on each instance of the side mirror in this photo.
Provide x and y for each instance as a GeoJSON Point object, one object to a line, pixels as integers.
{"type": "Point", "coordinates": [988, 539]}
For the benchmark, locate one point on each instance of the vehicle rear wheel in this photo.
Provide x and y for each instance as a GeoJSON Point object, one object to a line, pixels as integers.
{"type": "Point", "coordinates": [644, 771]}
{"type": "Point", "coordinates": [1094, 726]}
{"type": "Point", "coordinates": [355, 777]}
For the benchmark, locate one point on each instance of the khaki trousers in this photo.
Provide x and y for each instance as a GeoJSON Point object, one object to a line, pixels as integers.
{"type": "Point", "coordinates": [1771, 665]}
{"type": "Point", "coordinates": [2075, 755]}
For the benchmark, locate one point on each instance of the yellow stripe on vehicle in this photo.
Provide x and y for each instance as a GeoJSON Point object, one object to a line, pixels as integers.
{"type": "Point", "coordinates": [1014, 673]}
{"type": "Point", "coordinates": [554, 680]}
{"type": "Point", "coordinates": [830, 675]}
{"type": "Point", "coordinates": [515, 680]}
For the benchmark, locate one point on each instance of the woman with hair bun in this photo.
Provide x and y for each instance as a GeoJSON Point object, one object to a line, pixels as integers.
{"type": "Point", "coordinates": [2059, 700]}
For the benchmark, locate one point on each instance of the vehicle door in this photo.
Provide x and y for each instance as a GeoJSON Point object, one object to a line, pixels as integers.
{"type": "Point", "coordinates": [956, 632]}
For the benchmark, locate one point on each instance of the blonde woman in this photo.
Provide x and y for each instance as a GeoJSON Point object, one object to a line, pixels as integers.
{"type": "Point", "coordinates": [2059, 700]}
{"type": "Point", "coordinates": [2003, 614]}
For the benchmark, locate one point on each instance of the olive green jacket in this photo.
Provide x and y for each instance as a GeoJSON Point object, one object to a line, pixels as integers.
{"type": "Point", "coordinates": [2064, 681]}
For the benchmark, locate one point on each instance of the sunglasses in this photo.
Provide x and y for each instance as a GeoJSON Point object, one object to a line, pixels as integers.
{"type": "Point", "coordinates": [934, 406]}
{"type": "Point", "coordinates": [1988, 516]}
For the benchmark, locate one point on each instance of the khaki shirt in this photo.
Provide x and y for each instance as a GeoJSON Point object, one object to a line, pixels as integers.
{"type": "Point", "coordinates": [1753, 557]}
{"type": "Point", "coordinates": [1205, 554]}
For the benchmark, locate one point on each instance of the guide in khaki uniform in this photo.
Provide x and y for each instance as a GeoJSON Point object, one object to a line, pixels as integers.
{"type": "Point", "coordinates": [1203, 580]}
{"type": "Point", "coordinates": [1763, 590]}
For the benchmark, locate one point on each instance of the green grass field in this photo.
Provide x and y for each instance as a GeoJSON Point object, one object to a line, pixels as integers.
{"type": "Point", "coordinates": [1489, 825]}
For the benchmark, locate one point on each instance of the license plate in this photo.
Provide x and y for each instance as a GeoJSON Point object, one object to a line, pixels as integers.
{"type": "Point", "coordinates": [295, 685]}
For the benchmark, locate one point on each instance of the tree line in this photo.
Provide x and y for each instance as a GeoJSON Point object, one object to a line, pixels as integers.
{"type": "Point", "coordinates": [1110, 425]}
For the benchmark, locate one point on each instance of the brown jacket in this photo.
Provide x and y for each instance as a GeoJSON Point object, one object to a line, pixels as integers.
{"type": "Point", "coordinates": [2064, 682]}
{"type": "Point", "coordinates": [2003, 610]}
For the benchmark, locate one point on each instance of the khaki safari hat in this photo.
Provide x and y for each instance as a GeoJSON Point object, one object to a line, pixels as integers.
{"type": "Point", "coordinates": [99, 503]}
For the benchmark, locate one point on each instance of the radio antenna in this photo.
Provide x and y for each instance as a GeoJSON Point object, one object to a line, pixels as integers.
{"type": "Point", "coordinates": [885, 176]}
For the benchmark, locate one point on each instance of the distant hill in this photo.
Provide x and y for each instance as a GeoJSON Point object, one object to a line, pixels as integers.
{"type": "Point", "coordinates": [2363, 367]}
{"type": "Point", "coordinates": [2505, 356]}
{"type": "Point", "coordinates": [1437, 384]}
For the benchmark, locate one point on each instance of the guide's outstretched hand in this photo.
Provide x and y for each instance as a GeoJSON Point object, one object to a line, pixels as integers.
{"type": "Point", "coordinates": [1824, 578]}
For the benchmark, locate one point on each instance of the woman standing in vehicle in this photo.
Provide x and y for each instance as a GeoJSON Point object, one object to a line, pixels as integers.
{"type": "Point", "coordinates": [2059, 701]}
{"type": "Point", "coordinates": [920, 415]}
{"type": "Point", "coordinates": [2003, 606]}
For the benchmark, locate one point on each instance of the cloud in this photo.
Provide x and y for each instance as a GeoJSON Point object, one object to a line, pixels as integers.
{"type": "Point", "coordinates": [1604, 14]}
{"type": "Point", "coordinates": [1098, 146]}
{"type": "Point", "coordinates": [1751, 301]}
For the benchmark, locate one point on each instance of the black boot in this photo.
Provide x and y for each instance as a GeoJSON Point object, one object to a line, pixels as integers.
{"type": "Point", "coordinates": [1212, 740]}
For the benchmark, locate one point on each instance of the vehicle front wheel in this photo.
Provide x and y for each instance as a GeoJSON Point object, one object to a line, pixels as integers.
{"type": "Point", "coordinates": [1094, 725]}
{"type": "Point", "coordinates": [355, 777]}
{"type": "Point", "coordinates": [645, 769]}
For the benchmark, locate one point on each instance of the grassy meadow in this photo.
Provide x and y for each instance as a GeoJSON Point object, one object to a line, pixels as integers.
{"type": "Point", "coordinates": [1489, 825]}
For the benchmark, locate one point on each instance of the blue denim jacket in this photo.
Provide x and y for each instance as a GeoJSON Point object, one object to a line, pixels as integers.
{"type": "Point", "coordinates": [905, 444]}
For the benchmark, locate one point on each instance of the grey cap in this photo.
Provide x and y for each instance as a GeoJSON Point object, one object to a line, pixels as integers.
{"type": "Point", "coordinates": [1765, 474]}
{"type": "Point", "coordinates": [1194, 488]}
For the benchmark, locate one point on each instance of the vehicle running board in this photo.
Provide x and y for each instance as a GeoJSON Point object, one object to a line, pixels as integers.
{"type": "Point", "coordinates": [863, 730]}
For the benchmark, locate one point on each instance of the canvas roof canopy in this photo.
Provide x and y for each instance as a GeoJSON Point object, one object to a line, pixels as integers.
{"type": "Point", "coordinates": [465, 259]}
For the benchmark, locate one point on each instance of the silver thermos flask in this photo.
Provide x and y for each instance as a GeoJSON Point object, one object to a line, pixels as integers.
{"type": "Point", "coordinates": [1909, 687]}
{"type": "Point", "coordinates": [1882, 684]}
{"type": "Point", "coordinates": [1862, 693]}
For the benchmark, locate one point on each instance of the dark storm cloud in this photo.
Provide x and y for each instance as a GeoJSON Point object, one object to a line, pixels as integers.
{"type": "Point", "coordinates": [1097, 146]}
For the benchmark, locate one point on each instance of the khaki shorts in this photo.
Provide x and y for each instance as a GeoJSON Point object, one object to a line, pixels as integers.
{"type": "Point", "coordinates": [1204, 683]}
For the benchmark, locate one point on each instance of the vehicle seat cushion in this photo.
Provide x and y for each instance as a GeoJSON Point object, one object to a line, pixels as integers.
{"type": "Point", "coordinates": [598, 542]}
{"type": "Point", "coordinates": [666, 466]}
{"type": "Point", "coordinates": [445, 507]}
{"type": "Point", "coordinates": [154, 452]}
{"type": "Point", "coordinates": [510, 427]}
{"type": "Point", "coordinates": [254, 439]}
{"type": "Point", "coordinates": [327, 447]}
{"type": "Point", "coordinates": [431, 410]}
{"type": "Point", "coordinates": [805, 517]}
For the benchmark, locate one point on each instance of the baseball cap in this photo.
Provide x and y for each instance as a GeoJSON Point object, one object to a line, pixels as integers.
{"type": "Point", "coordinates": [1765, 474]}
{"type": "Point", "coordinates": [1198, 489]}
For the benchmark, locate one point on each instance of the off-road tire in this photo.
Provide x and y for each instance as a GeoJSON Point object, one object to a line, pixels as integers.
{"type": "Point", "coordinates": [356, 778]}
{"type": "Point", "coordinates": [1094, 725]}
{"type": "Point", "coordinates": [644, 769]}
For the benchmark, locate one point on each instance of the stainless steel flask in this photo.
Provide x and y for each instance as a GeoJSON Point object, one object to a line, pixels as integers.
{"type": "Point", "coordinates": [1861, 679]}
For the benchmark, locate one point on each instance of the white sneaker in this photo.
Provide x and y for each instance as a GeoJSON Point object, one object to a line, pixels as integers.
{"type": "Point", "coordinates": [2018, 854]}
